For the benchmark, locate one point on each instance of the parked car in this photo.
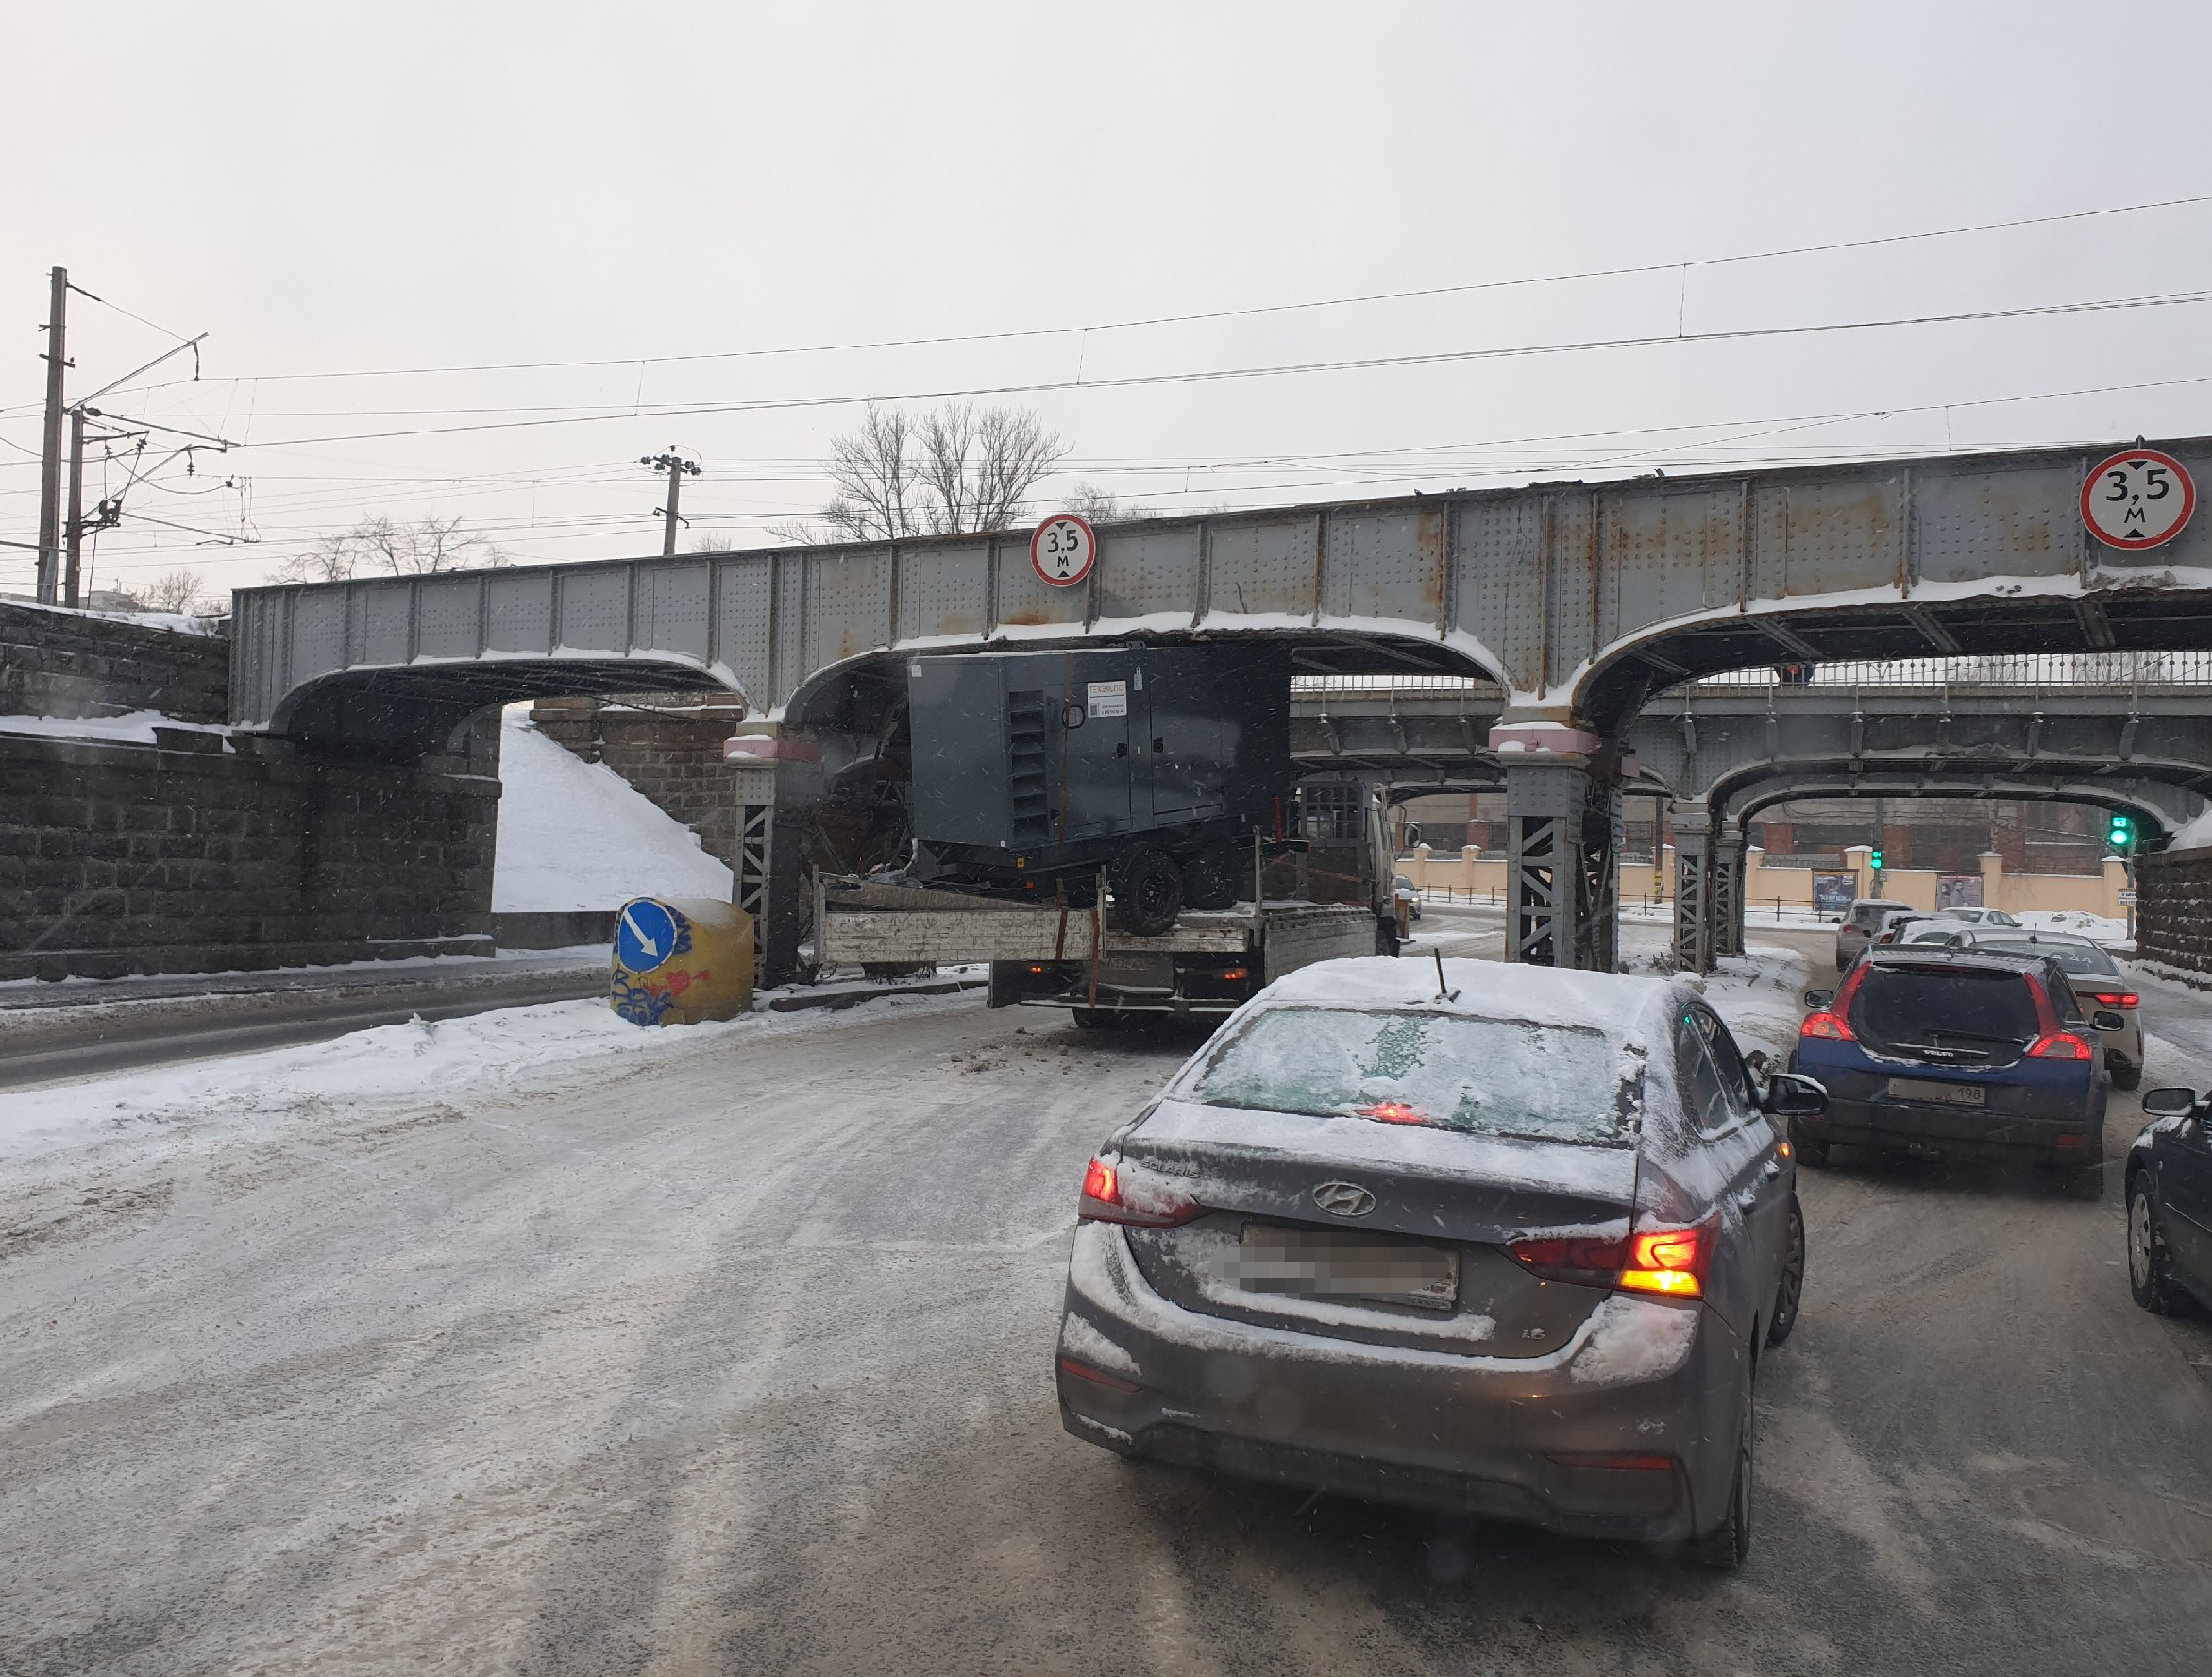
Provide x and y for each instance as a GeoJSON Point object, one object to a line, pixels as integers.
{"type": "Point", "coordinates": [1992, 917]}
{"type": "Point", "coordinates": [1859, 928]}
{"type": "Point", "coordinates": [1406, 891]}
{"type": "Point", "coordinates": [1960, 1052]}
{"type": "Point", "coordinates": [1498, 1240]}
{"type": "Point", "coordinates": [2170, 1203]}
{"type": "Point", "coordinates": [2098, 979]}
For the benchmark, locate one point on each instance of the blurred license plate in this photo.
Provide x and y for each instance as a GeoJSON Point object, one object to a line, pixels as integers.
{"type": "Point", "coordinates": [1942, 1094]}
{"type": "Point", "coordinates": [1321, 1263]}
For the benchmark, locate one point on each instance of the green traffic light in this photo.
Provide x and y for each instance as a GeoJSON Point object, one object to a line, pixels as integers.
{"type": "Point", "coordinates": [1874, 860]}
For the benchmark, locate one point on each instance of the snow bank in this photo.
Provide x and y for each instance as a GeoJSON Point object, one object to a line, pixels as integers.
{"type": "Point", "coordinates": [2196, 832]}
{"type": "Point", "coordinates": [382, 1071]}
{"type": "Point", "coordinates": [576, 835]}
{"type": "Point", "coordinates": [135, 727]}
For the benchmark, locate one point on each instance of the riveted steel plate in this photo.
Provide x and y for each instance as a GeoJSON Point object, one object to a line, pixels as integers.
{"type": "Point", "coordinates": [1818, 537]}
{"type": "Point", "coordinates": [672, 608]}
{"type": "Point", "coordinates": [595, 611]}
{"type": "Point", "coordinates": [1027, 598]}
{"type": "Point", "coordinates": [318, 631]}
{"type": "Point", "coordinates": [1144, 572]}
{"type": "Point", "coordinates": [1263, 567]}
{"type": "Point", "coordinates": [742, 636]}
{"type": "Point", "coordinates": [1498, 550]}
{"type": "Point", "coordinates": [448, 616]}
{"type": "Point", "coordinates": [944, 591]}
{"type": "Point", "coordinates": [1669, 554]}
{"type": "Point", "coordinates": [379, 625]}
{"type": "Point", "coordinates": [518, 612]}
{"type": "Point", "coordinates": [851, 595]}
{"type": "Point", "coordinates": [1385, 564]}
{"type": "Point", "coordinates": [793, 665]}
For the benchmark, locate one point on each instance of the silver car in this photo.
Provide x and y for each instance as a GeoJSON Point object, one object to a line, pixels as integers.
{"type": "Point", "coordinates": [1498, 1240]}
{"type": "Point", "coordinates": [1862, 926]}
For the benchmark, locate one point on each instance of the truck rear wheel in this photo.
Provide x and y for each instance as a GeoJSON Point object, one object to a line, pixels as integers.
{"type": "Point", "coordinates": [1211, 877]}
{"type": "Point", "coordinates": [1148, 890]}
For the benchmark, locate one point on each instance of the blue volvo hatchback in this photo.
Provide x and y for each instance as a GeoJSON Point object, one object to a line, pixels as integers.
{"type": "Point", "coordinates": [1957, 1053]}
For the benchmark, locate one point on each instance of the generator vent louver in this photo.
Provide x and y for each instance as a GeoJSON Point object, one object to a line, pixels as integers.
{"type": "Point", "coordinates": [1029, 804]}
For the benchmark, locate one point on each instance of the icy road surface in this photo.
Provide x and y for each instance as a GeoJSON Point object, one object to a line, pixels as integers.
{"type": "Point", "coordinates": [733, 1354]}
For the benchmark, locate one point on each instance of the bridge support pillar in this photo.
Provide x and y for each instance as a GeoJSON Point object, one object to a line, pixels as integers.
{"type": "Point", "coordinates": [1694, 888]}
{"type": "Point", "coordinates": [767, 864]}
{"type": "Point", "coordinates": [1563, 872]}
{"type": "Point", "coordinates": [1728, 893]}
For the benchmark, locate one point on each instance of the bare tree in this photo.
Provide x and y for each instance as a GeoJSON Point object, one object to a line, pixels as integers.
{"type": "Point", "coordinates": [1103, 507]}
{"type": "Point", "coordinates": [379, 545]}
{"type": "Point", "coordinates": [947, 471]}
{"type": "Point", "coordinates": [175, 592]}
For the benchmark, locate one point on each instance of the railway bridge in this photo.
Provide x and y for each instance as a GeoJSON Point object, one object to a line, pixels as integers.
{"type": "Point", "coordinates": [2126, 732]}
{"type": "Point", "coordinates": [1579, 601]}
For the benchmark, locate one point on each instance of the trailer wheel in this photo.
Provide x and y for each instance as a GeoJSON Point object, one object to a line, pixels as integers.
{"type": "Point", "coordinates": [1148, 890]}
{"type": "Point", "coordinates": [1212, 878]}
{"type": "Point", "coordinates": [1096, 1018]}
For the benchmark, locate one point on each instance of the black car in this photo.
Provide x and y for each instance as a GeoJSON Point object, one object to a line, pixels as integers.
{"type": "Point", "coordinates": [2170, 1203]}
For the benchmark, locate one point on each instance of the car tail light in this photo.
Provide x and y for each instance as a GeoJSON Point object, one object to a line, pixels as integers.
{"type": "Point", "coordinates": [1828, 1024]}
{"type": "Point", "coordinates": [1603, 1459]}
{"type": "Point", "coordinates": [2118, 999]}
{"type": "Point", "coordinates": [1392, 1112]}
{"type": "Point", "coordinates": [1113, 1193]}
{"type": "Point", "coordinates": [1668, 1262]}
{"type": "Point", "coordinates": [2060, 1045]}
{"type": "Point", "coordinates": [1235, 973]}
{"type": "Point", "coordinates": [1037, 969]}
{"type": "Point", "coordinates": [1098, 1377]}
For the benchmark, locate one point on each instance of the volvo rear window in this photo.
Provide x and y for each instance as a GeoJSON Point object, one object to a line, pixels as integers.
{"type": "Point", "coordinates": [1928, 1004]}
{"type": "Point", "coordinates": [1442, 1071]}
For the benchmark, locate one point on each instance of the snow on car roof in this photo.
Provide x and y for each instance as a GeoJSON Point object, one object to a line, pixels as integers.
{"type": "Point", "coordinates": [1609, 1002]}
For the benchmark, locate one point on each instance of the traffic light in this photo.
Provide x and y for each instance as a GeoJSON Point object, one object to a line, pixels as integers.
{"type": "Point", "coordinates": [2121, 834]}
{"type": "Point", "coordinates": [1874, 860]}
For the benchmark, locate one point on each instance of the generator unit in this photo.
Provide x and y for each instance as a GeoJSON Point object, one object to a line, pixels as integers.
{"type": "Point", "coordinates": [1032, 771]}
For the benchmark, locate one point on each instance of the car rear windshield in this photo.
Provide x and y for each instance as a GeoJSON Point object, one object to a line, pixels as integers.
{"type": "Point", "coordinates": [1445, 1071]}
{"type": "Point", "coordinates": [1928, 1004]}
{"type": "Point", "coordinates": [2084, 960]}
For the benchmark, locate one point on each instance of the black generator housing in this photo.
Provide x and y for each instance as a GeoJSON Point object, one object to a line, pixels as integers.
{"type": "Point", "coordinates": [1034, 771]}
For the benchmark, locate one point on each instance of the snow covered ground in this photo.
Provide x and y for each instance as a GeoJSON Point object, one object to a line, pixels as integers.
{"type": "Point", "coordinates": [392, 1068]}
{"type": "Point", "coordinates": [576, 835]}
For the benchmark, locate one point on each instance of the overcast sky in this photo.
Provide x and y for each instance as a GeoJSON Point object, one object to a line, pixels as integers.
{"type": "Point", "coordinates": [326, 191]}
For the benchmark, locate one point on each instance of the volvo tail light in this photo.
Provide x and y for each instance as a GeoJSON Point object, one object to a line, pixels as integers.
{"type": "Point", "coordinates": [1826, 1024]}
{"type": "Point", "coordinates": [1115, 1194]}
{"type": "Point", "coordinates": [2060, 1045]}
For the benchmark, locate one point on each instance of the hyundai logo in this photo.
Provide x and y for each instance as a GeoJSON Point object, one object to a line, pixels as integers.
{"type": "Point", "coordinates": [1343, 1200]}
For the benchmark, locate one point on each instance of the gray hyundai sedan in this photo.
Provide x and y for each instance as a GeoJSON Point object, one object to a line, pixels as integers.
{"type": "Point", "coordinates": [1498, 1240]}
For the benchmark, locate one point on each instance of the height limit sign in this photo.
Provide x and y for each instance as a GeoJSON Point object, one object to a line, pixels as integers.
{"type": "Point", "coordinates": [2138, 499]}
{"type": "Point", "coordinates": [1063, 550]}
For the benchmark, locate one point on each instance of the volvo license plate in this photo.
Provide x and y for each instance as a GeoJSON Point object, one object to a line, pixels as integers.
{"type": "Point", "coordinates": [1941, 1094]}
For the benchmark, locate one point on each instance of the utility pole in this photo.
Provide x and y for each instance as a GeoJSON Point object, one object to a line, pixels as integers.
{"type": "Point", "coordinates": [50, 461]}
{"type": "Point", "coordinates": [677, 467]}
{"type": "Point", "coordinates": [70, 594]}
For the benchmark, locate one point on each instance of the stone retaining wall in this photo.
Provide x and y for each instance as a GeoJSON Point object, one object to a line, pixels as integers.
{"type": "Point", "coordinates": [202, 850]}
{"type": "Point", "coordinates": [70, 664]}
{"type": "Point", "coordinates": [2173, 909]}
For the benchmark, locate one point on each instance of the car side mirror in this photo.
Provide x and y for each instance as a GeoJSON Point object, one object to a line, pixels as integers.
{"type": "Point", "coordinates": [1817, 999]}
{"type": "Point", "coordinates": [2168, 1103]}
{"type": "Point", "coordinates": [2104, 1019]}
{"type": "Point", "coordinates": [1835, 920]}
{"type": "Point", "coordinates": [1790, 1094]}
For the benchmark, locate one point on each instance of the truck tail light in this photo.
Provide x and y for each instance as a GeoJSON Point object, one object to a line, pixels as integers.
{"type": "Point", "coordinates": [2059, 1045]}
{"type": "Point", "coordinates": [1112, 1193]}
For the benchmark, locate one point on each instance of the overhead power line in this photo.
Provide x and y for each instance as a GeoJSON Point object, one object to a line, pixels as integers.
{"type": "Point", "coordinates": [1198, 316]}
{"type": "Point", "coordinates": [1283, 369]}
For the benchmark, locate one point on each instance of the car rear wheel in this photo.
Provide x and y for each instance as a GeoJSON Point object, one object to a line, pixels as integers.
{"type": "Point", "coordinates": [2148, 1278]}
{"type": "Point", "coordinates": [1790, 1289]}
{"type": "Point", "coordinates": [1726, 1544]}
{"type": "Point", "coordinates": [2125, 1075]}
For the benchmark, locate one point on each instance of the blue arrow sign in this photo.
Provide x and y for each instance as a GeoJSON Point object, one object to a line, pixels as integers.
{"type": "Point", "coordinates": [645, 936]}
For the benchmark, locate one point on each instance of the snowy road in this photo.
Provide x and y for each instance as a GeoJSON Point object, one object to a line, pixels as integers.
{"type": "Point", "coordinates": [733, 1354]}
